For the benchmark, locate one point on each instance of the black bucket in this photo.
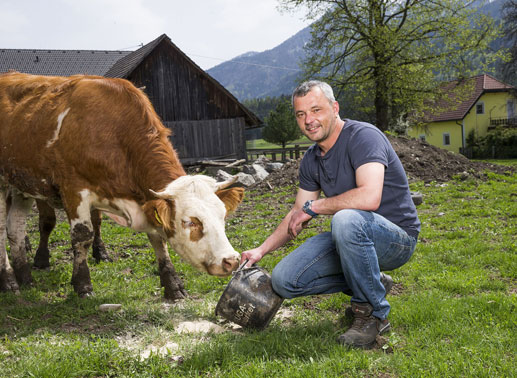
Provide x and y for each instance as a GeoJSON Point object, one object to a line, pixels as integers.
{"type": "Point", "coordinates": [249, 299]}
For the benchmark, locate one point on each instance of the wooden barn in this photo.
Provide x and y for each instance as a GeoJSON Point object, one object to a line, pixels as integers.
{"type": "Point", "coordinates": [206, 120]}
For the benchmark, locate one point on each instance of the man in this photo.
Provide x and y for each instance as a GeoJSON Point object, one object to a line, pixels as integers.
{"type": "Point", "coordinates": [374, 222]}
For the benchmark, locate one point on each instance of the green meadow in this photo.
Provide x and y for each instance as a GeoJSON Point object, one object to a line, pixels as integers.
{"type": "Point", "coordinates": [454, 304]}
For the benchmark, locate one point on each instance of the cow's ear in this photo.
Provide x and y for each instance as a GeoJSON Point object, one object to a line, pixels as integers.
{"type": "Point", "coordinates": [231, 197]}
{"type": "Point", "coordinates": [161, 213]}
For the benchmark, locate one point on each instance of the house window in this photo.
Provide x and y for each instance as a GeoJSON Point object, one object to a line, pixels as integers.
{"type": "Point", "coordinates": [446, 139]}
{"type": "Point", "coordinates": [480, 108]}
{"type": "Point", "coordinates": [422, 137]}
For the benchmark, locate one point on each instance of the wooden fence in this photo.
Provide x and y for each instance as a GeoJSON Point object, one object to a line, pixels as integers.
{"type": "Point", "coordinates": [277, 154]}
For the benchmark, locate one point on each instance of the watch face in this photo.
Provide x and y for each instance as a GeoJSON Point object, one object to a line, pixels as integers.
{"type": "Point", "coordinates": [307, 209]}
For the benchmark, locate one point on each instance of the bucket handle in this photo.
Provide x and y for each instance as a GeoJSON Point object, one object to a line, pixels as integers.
{"type": "Point", "coordinates": [242, 267]}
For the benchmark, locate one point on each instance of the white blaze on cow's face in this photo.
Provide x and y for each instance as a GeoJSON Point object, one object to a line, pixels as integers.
{"type": "Point", "coordinates": [197, 218]}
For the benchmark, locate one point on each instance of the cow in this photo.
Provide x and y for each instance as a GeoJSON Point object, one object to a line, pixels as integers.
{"type": "Point", "coordinates": [88, 142]}
{"type": "Point", "coordinates": [47, 222]}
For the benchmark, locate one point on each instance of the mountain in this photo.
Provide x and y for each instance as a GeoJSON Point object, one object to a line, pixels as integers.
{"type": "Point", "coordinates": [276, 72]}
{"type": "Point", "coordinates": [270, 73]}
{"type": "Point", "coordinates": [493, 8]}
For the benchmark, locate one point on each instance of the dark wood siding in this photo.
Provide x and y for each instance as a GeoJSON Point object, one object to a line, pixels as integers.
{"type": "Point", "coordinates": [179, 91]}
{"type": "Point", "coordinates": [206, 122]}
{"type": "Point", "coordinates": [210, 139]}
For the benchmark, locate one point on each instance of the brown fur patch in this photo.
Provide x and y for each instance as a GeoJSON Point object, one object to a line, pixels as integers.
{"type": "Point", "coordinates": [111, 139]}
{"type": "Point", "coordinates": [161, 213]}
{"type": "Point", "coordinates": [196, 229]}
{"type": "Point", "coordinates": [231, 198]}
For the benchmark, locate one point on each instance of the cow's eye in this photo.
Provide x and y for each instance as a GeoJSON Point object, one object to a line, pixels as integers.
{"type": "Point", "coordinates": [188, 224]}
{"type": "Point", "coordinates": [195, 228]}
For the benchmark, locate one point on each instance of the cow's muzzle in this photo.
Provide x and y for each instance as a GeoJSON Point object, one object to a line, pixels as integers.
{"type": "Point", "coordinates": [228, 265]}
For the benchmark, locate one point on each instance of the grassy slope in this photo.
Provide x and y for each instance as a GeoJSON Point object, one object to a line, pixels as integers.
{"type": "Point", "coordinates": [453, 313]}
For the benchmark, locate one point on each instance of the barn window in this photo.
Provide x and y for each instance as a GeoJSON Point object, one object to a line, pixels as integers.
{"type": "Point", "coordinates": [480, 108]}
{"type": "Point", "coordinates": [446, 139]}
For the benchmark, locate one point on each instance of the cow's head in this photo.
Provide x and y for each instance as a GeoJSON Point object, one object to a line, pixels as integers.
{"type": "Point", "coordinates": [191, 212]}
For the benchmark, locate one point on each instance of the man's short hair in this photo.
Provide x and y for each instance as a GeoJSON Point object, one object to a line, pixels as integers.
{"type": "Point", "coordinates": [305, 87]}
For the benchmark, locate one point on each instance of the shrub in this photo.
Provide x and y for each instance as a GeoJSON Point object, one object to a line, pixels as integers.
{"type": "Point", "coordinates": [500, 142]}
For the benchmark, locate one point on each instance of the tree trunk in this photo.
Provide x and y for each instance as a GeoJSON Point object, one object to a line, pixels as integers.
{"type": "Point", "coordinates": [381, 102]}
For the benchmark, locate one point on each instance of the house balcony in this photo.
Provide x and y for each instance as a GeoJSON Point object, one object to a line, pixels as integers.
{"type": "Point", "coordinates": [502, 122]}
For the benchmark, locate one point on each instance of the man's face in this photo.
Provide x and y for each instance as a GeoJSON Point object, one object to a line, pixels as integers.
{"type": "Point", "coordinates": [316, 117]}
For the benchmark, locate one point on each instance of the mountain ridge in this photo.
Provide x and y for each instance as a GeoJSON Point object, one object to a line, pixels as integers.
{"type": "Point", "coordinates": [275, 72]}
{"type": "Point", "coordinates": [266, 73]}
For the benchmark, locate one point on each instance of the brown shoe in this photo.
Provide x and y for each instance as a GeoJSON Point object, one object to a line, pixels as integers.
{"type": "Point", "coordinates": [386, 281]}
{"type": "Point", "coordinates": [365, 328]}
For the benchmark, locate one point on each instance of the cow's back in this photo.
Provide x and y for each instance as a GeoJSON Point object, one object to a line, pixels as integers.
{"type": "Point", "coordinates": [82, 131]}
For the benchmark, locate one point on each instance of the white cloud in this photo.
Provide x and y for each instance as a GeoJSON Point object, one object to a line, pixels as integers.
{"type": "Point", "coordinates": [218, 29]}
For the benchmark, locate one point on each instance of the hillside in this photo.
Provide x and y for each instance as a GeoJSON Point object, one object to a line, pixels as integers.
{"type": "Point", "coordinates": [269, 73]}
{"type": "Point", "coordinates": [275, 72]}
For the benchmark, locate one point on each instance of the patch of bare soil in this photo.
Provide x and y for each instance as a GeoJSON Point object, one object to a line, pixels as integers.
{"type": "Point", "coordinates": [426, 162]}
{"type": "Point", "coordinates": [421, 161]}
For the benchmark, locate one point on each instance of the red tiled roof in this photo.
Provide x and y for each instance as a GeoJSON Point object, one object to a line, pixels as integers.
{"type": "Point", "coordinates": [461, 95]}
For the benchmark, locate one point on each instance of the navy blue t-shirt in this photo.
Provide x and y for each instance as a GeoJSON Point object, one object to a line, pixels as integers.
{"type": "Point", "coordinates": [334, 173]}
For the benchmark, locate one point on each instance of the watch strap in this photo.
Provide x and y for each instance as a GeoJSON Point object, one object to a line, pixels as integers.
{"type": "Point", "coordinates": [307, 209]}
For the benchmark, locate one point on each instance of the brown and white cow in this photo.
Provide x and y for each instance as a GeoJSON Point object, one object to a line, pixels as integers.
{"type": "Point", "coordinates": [47, 222]}
{"type": "Point", "coordinates": [87, 142]}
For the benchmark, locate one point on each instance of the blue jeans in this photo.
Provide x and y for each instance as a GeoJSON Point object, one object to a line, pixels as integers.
{"type": "Point", "coordinates": [348, 259]}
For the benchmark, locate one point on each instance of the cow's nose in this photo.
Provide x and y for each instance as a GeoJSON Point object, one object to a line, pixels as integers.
{"type": "Point", "coordinates": [230, 264]}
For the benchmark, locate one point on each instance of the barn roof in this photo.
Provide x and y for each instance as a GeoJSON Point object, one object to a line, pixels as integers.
{"type": "Point", "coordinates": [97, 62]}
{"type": "Point", "coordinates": [59, 62]}
{"type": "Point", "coordinates": [461, 95]}
{"type": "Point", "coordinates": [127, 64]}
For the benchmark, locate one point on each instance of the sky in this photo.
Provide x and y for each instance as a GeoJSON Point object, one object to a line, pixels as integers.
{"type": "Point", "coordinates": [208, 31]}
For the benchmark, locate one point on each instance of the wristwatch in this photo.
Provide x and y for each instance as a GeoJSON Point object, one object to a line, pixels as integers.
{"type": "Point", "coordinates": [307, 209]}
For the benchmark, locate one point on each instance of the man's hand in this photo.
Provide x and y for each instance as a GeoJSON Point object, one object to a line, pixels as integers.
{"type": "Point", "coordinates": [252, 255]}
{"type": "Point", "coordinates": [298, 222]}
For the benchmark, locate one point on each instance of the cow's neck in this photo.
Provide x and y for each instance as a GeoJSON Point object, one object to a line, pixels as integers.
{"type": "Point", "coordinates": [156, 169]}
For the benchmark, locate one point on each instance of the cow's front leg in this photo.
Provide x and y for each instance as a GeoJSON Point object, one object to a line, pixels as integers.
{"type": "Point", "coordinates": [81, 233]}
{"type": "Point", "coordinates": [16, 232]}
{"type": "Point", "coordinates": [99, 250]}
{"type": "Point", "coordinates": [47, 222]}
{"type": "Point", "coordinates": [7, 277]}
{"type": "Point", "coordinates": [169, 279]}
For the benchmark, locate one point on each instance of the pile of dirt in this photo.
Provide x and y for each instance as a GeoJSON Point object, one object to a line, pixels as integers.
{"type": "Point", "coordinates": [422, 162]}
{"type": "Point", "coordinates": [427, 163]}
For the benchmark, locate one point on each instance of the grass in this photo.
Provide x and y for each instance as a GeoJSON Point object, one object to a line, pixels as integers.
{"type": "Point", "coordinates": [454, 307]}
{"type": "Point", "coordinates": [262, 144]}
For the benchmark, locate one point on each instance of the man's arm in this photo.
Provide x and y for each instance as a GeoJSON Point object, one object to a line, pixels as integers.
{"type": "Point", "coordinates": [282, 233]}
{"type": "Point", "coordinates": [366, 195]}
